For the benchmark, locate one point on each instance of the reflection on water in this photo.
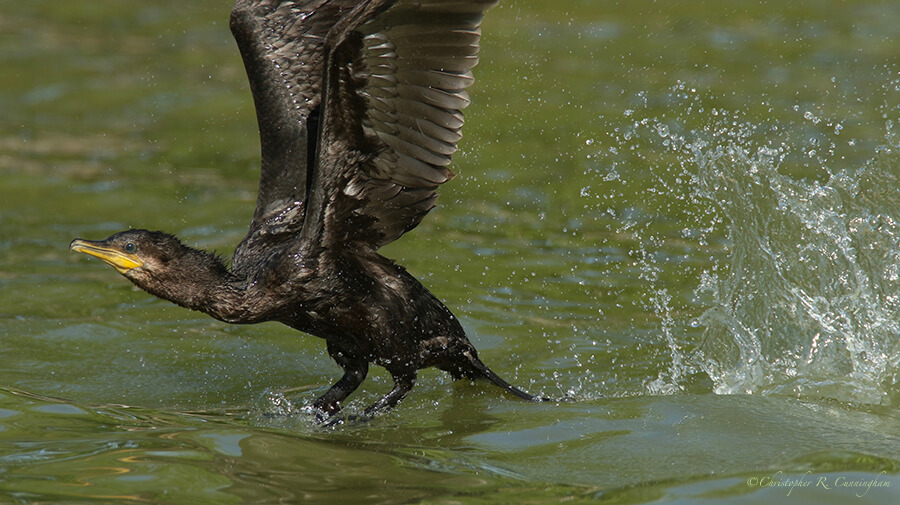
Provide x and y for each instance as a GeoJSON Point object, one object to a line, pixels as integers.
{"type": "Point", "coordinates": [96, 452]}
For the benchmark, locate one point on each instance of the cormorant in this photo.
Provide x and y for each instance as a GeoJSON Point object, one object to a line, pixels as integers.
{"type": "Point", "coordinates": [359, 109]}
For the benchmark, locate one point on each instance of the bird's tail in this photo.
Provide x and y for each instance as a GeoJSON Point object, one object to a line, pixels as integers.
{"type": "Point", "coordinates": [479, 369]}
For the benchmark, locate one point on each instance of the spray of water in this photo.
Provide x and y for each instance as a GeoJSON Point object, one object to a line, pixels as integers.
{"type": "Point", "coordinates": [810, 302]}
{"type": "Point", "coordinates": [806, 300]}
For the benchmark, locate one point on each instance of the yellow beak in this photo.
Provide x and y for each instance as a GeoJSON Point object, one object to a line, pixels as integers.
{"type": "Point", "coordinates": [119, 260]}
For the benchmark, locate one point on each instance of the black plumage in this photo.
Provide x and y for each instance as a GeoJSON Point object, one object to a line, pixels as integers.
{"type": "Point", "coordinates": [359, 111]}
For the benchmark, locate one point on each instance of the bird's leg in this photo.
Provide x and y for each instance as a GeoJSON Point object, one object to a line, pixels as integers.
{"type": "Point", "coordinates": [354, 374]}
{"type": "Point", "coordinates": [403, 383]}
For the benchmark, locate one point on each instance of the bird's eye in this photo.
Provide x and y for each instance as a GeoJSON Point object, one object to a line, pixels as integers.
{"type": "Point", "coordinates": [130, 248]}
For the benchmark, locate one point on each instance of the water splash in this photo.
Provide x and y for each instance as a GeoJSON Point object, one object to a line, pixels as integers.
{"type": "Point", "coordinates": [806, 301]}
{"type": "Point", "coordinates": [809, 305]}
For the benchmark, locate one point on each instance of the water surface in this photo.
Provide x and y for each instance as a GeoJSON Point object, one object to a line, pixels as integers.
{"type": "Point", "coordinates": [684, 215]}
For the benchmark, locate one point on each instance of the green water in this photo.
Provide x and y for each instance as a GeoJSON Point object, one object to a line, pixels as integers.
{"type": "Point", "coordinates": [685, 215]}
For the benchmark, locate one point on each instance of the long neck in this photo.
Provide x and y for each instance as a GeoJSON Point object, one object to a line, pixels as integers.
{"type": "Point", "coordinates": [199, 281]}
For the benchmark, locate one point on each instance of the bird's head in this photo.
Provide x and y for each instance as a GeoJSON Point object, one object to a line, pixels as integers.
{"type": "Point", "coordinates": [133, 253]}
{"type": "Point", "coordinates": [157, 262]}
{"type": "Point", "coordinates": [160, 264]}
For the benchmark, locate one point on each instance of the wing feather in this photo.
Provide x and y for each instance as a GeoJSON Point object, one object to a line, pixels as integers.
{"type": "Point", "coordinates": [282, 44]}
{"type": "Point", "coordinates": [395, 87]}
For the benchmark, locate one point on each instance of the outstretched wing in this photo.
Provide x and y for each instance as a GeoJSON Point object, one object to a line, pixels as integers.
{"type": "Point", "coordinates": [282, 44]}
{"type": "Point", "coordinates": [395, 86]}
